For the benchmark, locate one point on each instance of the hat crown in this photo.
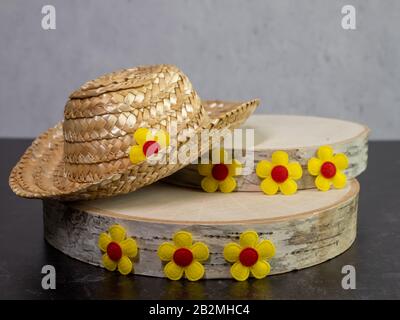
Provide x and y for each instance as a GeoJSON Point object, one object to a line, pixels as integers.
{"type": "Point", "coordinates": [122, 79]}
{"type": "Point", "coordinates": [102, 115]}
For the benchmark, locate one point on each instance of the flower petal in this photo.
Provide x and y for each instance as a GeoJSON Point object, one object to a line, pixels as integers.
{"type": "Point", "coordinates": [141, 135]}
{"type": "Point", "coordinates": [173, 271]}
{"type": "Point", "coordinates": [325, 153]}
{"type": "Point", "coordinates": [266, 249]}
{"type": "Point", "coordinates": [239, 271]}
{"type": "Point", "coordinates": [261, 269]}
{"type": "Point", "coordinates": [322, 183]}
{"type": "Point", "coordinates": [232, 252]}
{"type": "Point", "coordinates": [204, 169]}
{"type": "Point", "coordinates": [166, 251]}
{"type": "Point", "coordinates": [280, 158]}
{"type": "Point", "coordinates": [125, 265]}
{"type": "Point", "coordinates": [209, 184]}
{"type": "Point", "coordinates": [339, 180]}
{"type": "Point", "coordinates": [228, 185]}
{"type": "Point", "coordinates": [200, 251]}
{"type": "Point", "coordinates": [104, 241]}
{"type": "Point", "coordinates": [129, 247]}
{"type": "Point", "coordinates": [117, 233]}
{"type": "Point", "coordinates": [136, 154]}
{"type": "Point", "coordinates": [269, 186]}
{"type": "Point", "coordinates": [295, 170]}
{"type": "Point", "coordinates": [263, 169]}
{"type": "Point", "coordinates": [235, 168]}
{"type": "Point", "coordinates": [288, 187]}
{"type": "Point", "coordinates": [219, 156]}
{"type": "Point", "coordinates": [340, 161]}
{"type": "Point", "coordinates": [248, 239]}
{"type": "Point", "coordinates": [314, 166]}
{"type": "Point", "coordinates": [194, 271]}
{"type": "Point", "coordinates": [183, 239]}
{"type": "Point", "coordinates": [162, 138]}
{"type": "Point", "coordinates": [109, 264]}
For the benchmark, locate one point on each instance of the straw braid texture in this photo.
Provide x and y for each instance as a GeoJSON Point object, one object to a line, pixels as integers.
{"type": "Point", "coordinates": [86, 156]}
{"type": "Point", "coordinates": [40, 172]}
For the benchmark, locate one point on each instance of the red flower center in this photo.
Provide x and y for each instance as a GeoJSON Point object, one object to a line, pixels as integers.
{"type": "Point", "coordinates": [279, 174]}
{"type": "Point", "coordinates": [220, 171]}
{"type": "Point", "coordinates": [114, 251]}
{"type": "Point", "coordinates": [248, 257]}
{"type": "Point", "coordinates": [328, 170]}
{"type": "Point", "coordinates": [150, 147]}
{"type": "Point", "coordinates": [183, 257]}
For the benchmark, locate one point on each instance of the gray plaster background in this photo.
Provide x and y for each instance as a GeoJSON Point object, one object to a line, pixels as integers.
{"type": "Point", "coordinates": [292, 54]}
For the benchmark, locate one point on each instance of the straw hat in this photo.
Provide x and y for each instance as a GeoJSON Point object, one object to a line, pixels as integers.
{"type": "Point", "coordinates": [86, 156]}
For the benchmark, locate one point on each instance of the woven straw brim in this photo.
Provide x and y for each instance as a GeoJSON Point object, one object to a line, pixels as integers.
{"type": "Point", "coordinates": [40, 173]}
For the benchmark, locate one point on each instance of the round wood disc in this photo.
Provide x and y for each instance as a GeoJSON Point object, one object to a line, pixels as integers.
{"type": "Point", "coordinates": [300, 137]}
{"type": "Point", "coordinates": [307, 228]}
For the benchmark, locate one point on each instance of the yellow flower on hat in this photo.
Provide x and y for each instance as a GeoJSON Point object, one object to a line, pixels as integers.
{"type": "Point", "coordinates": [249, 256]}
{"type": "Point", "coordinates": [147, 144]}
{"type": "Point", "coordinates": [118, 250]}
{"type": "Point", "coordinates": [328, 168]}
{"type": "Point", "coordinates": [279, 174]}
{"type": "Point", "coordinates": [183, 257]}
{"type": "Point", "coordinates": [220, 175]}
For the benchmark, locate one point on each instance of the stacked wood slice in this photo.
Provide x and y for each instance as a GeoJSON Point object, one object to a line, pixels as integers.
{"type": "Point", "coordinates": [307, 228]}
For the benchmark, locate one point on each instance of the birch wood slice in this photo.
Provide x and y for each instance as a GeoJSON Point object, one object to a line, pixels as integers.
{"type": "Point", "coordinates": [307, 228]}
{"type": "Point", "coordinates": [300, 137]}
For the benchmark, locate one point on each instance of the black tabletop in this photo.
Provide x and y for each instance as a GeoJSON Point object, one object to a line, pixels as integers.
{"type": "Point", "coordinates": [375, 254]}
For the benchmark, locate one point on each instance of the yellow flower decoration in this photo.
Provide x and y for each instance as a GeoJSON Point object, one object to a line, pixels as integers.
{"type": "Point", "coordinates": [279, 174]}
{"type": "Point", "coordinates": [328, 168]}
{"type": "Point", "coordinates": [183, 257]}
{"type": "Point", "coordinates": [118, 250]}
{"type": "Point", "coordinates": [220, 175]}
{"type": "Point", "coordinates": [147, 144]}
{"type": "Point", "coordinates": [249, 256]}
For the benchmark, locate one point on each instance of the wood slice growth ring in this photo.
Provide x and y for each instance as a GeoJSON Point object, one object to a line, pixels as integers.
{"type": "Point", "coordinates": [300, 137]}
{"type": "Point", "coordinates": [307, 228]}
